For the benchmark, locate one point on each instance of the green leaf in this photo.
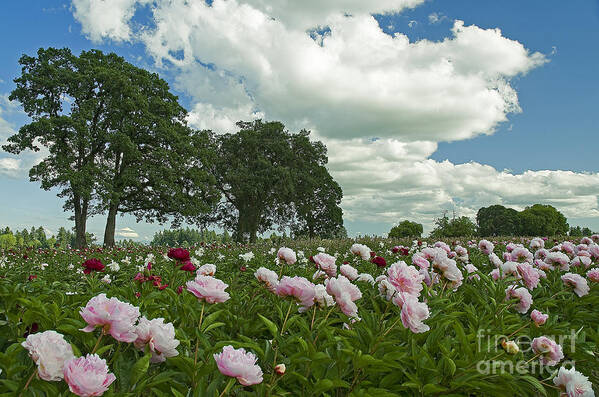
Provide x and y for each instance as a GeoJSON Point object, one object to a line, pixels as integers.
{"type": "Point", "coordinates": [140, 368]}
{"type": "Point", "coordinates": [272, 327]}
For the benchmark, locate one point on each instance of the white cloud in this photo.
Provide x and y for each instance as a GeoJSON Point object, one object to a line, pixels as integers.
{"type": "Point", "coordinates": [348, 82]}
{"type": "Point", "coordinates": [105, 18]}
{"type": "Point", "coordinates": [388, 180]}
{"type": "Point", "coordinates": [127, 232]}
{"type": "Point", "coordinates": [354, 79]}
{"type": "Point", "coordinates": [436, 17]}
{"type": "Point", "coordinates": [9, 166]}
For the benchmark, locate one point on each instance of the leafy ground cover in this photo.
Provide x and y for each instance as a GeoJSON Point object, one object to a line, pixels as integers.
{"type": "Point", "coordinates": [327, 317]}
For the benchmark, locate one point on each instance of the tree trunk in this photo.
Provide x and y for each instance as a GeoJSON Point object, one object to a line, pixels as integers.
{"type": "Point", "coordinates": [80, 221]}
{"type": "Point", "coordinates": [110, 225]}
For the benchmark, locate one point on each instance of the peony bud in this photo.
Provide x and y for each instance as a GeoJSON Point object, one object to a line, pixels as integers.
{"type": "Point", "coordinates": [510, 347]}
{"type": "Point", "coordinates": [280, 369]}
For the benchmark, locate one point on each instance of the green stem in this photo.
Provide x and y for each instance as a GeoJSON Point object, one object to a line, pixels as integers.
{"type": "Point", "coordinates": [286, 317]}
{"type": "Point", "coordinates": [231, 381]}
{"type": "Point", "coordinates": [98, 342]}
{"type": "Point", "coordinates": [28, 382]}
{"type": "Point", "coordinates": [195, 360]}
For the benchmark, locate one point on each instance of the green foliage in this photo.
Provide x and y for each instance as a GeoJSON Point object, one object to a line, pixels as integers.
{"type": "Point", "coordinates": [325, 353]}
{"type": "Point", "coordinates": [269, 178]}
{"type": "Point", "coordinates": [537, 220]}
{"type": "Point", "coordinates": [454, 227]}
{"type": "Point", "coordinates": [406, 229]}
{"type": "Point", "coordinates": [188, 237]}
{"type": "Point", "coordinates": [498, 220]}
{"type": "Point", "coordinates": [542, 220]}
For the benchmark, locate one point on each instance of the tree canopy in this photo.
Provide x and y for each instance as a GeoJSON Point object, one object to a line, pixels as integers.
{"type": "Point", "coordinates": [536, 220]}
{"type": "Point", "coordinates": [406, 228]}
{"type": "Point", "coordinates": [269, 177]}
{"type": "Point", "coordinates": [116, 138]}
{"type": "Point", "coordinates": [455, 227]}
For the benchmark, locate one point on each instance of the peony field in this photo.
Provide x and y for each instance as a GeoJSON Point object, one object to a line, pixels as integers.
{"type": "Point", "coordinates": [328, 317]}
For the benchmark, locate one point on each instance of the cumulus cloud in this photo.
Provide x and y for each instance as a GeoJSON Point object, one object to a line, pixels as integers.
{"type": "Point", "coordinates": [350, 79]}
{"type": "Point", "coordinates": [436, 17]}
{"type": "Point", "coordinates": [329, 67]}
{"type": "Point", "coordinates": [389, 180]}
{"type": "Point", "coordinates": [127, 232]}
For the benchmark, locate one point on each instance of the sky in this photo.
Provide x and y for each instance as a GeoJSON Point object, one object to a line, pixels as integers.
{"type": "Point", "coordinates": [425, 106]}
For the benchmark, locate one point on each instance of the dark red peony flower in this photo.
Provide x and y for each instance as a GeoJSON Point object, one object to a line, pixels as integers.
{"type": "Point", "coordinates": [178, 254]}
{"type": "Point", "coordinates": [395, 249]}
{"type": "Point", "coordinates": [188, 267]}
{"type": "Point", "coordinates": [404, 251]}
{"type": "Point", "coordinates": [179, 289]}
{"type": "Point", "coordinates": [379, 261]}
{"type": "Point", "coordinates": [137, 294]}
{"type": "Point", "coordinates": [31, 329]}
{"type": "Point", "coordinates": [32, 277]}
{"type": "Point", "coordinates": [93, 265]}
{"type": "Point", "coordinates": [372, 254]}
{"type": "Point", "coordinates": [243, 268]}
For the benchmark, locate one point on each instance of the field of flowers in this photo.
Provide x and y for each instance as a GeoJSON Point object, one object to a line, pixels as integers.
{"type": "Point", "coordinates": [515, 317]}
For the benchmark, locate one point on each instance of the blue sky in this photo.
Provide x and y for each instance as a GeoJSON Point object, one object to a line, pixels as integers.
{"type": "Point", "coordinates": [555, 129]}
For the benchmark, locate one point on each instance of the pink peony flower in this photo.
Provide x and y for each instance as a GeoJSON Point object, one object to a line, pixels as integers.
{"type": "Point", "coordinates": [549, 351]}
{"type": "Point", "coordinates": [494, 259]}
{"type": "Point", "coordinates": [345, 294]}
{"type": "Point", "coordinates": [581, 261]}
{"type": "Point", "coordinates": [529, 275]}
{"type": "Point", "coordinates": [486, 247]}
{"type": "Point", "coordinates": [405, 278]}
{"type": "Point", "coordinates": [593, 275]}
{"type": "Point", "coordinates": [573, 383]}
{"type": "Point", "coordinates": [287, 255]}
{"type": "Point", "coordinates": [471, 269]}
{"type": "Point", "coordinates": [524, 297]}
{"type": "Point", "coordinates": [238, 364]}
{"type": "Point", "coordinates": [443, 246]}
{"type": "Point", "coordinates": [538, 317]}
{"type": "Point", "coordinates": [386, 289]}
{"type": "Point", "coordinates": [268, 278]}
{"type": "Point", "coordinates": [160, 337]}
{"type": "Point", "coordinates": [420, 261]}
{"type": "Point", "coordinates": [581, 287]}
{"type": "Point", "coordinates": [326, 263]}
{"type": "Point", "coordinates": [349, 271]}
{"type": "Point", "coordinates": [206, 270]}
{"type": "Point", "coordinates": [521, 254]}
{"type": "Point", "coordinates": [88, 376]}
{"type": "Point", "coordinates": [209, 289]}
{"type": "Point", "coordinates": [536, 243]}
{"type": "Point", "coordinates": [49, 351]}
{"type": "Point", "coordinates": [299, 288]}
{"type": "Point", "coordinates": [322, 297]}
{"type": "Point", "coordinates": [115, 317]}
{"type": "Point", "coordinates": [412, 312]}
{"type": "Point", "coordinates": [361, 250]}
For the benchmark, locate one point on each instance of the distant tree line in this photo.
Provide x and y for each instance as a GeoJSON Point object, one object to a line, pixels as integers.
{"type": "Point", "coordinates": [37, 238]}
{"type": "Point", "coordinates": [497, 220]}
{"type": "Point", "coordinates": [118, 142]}
{"type": "Point", "coordinates": [188, 237]}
